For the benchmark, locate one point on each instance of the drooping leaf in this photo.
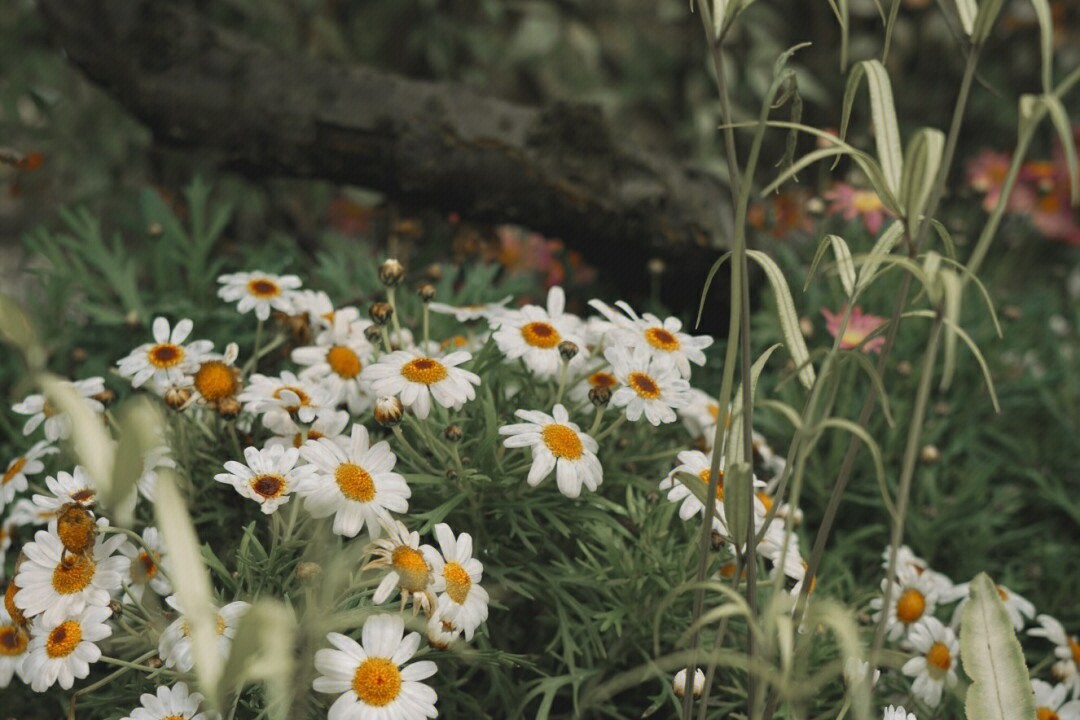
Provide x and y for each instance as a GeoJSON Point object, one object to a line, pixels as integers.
{"type": "Point", "coordinates": [921, 165]}
{"type": "Point", "coordinates": [882, 115]}
{"type": "Point", "coordinates": [789, 319]}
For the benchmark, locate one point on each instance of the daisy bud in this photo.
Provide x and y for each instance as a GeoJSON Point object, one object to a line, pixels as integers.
{"type": "Point", "coordinates": [307, 571]}
{"type": "Point", "coordinates": [904, 368]}
{"type": "Point", "coordinates": [177, 398]}
{"type": "Point", "coordinates": [388, 411]}
{"type": "Point", "coordinates": [679, 684]}
{"type": "Point", "coordinates": [381, 313]}
{"type": "Point", "coordinates": [154, 229]}
{"type": "Point", "coordinates": [930, 454]}
{"type": "Point", "coordinates": [806, 327]}
{"type": "Point", "coordinates": [453, 433]}
{"type": "Point", "coordinates": [856, 671]}
{"type": "Point", "coordinates": [655, 266]}
{"type": "Point", "coordinates": [1012, 312]}
{"type": "Point", "coordinates": [441, 634]}
{"type": "Point", "coordinates": [228, 408]}
{"type": "Point", "coordinates": [75, 528]}
{"type": "Point", "coordinates": [451, 474]}
{"type": "Point", "coordinates": [153, 662]}
{"type": "Point", "coordinates": [391, 272]}
{"type": "Point", "coordinates": [373, 334]}
{"type": "Point", "coordinates": [568, 350]}
{"type": "Point", "coordinates": [131, 320]}
{"type": "Point", "coordinates": [433, 272]}
{"type": "Point", "coordinates": [426, 292]}
{"type": "Point", "coordinates": [105, 397]}
{"type": "Point", "coordinates": [599, 396]}
{"type": "Point", "coordinates": [115, 607]}
{"type": "Point", "coordinates": [408, 229]}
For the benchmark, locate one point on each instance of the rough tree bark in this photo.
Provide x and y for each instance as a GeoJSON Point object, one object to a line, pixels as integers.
{"type": "Point", "coordinates": [560, 170]}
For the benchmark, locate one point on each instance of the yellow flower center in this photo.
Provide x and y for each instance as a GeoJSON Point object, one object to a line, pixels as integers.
{"type": "Point", "coordinates": [185, 627]}
{"type": "Point", "coordinates": [865, 201]}
{"type": "Point", "coordinates": [263, 288]}
{"type": "Point", "coordinates": [765, 499]}
{"type": "Point", "coordinates": [165, 355]}
{"type": "Point", "coordinates": [73, 574]}
{"type": "Point", "coordinates": [1075, 647]}
{"type": "Point", "coordinates": [377, 682]}
{"type": "Point", "coordinates": [268, 486]}
{"type": "Point", "coordinates": [661, 339]}
{"type": "Point", "coordinates": [355, 482]}
{"type": "Point", "coordinates": [457, 341]}
{"type": "Point", "coordinates": [13, 640]}
{"type": "Point", "coordinates": [216, 381]}
{"type": "Point", "coordinates": [457, 582]}
{"type": "Point", "coordinates": [423, 370]}
{"type": "Point", "coordinates": [939, 657]}
{"type": "Point", "coordinates": [15, 469]}
{"type": "Point", "coordinates": [305, 400]}
{"type": "Point", "coordinates": [644, 385]}
{"type": "Point", "coordinates": [411, 567]}
{"type": "Point", "coordinates": [910, 606]}
{"type": "Point", "coordinates": [541, 335]}
{"type": "Point", "coordinates": [703, 475]}
{"type": "Point", "coordinates": [174, 717]}
{"type": "Point", "coordinates": [75, 528]}
{"type": "Point", "coordinates": [1045, 713]}
{"type": "Point", "coordinates": [563, 442]}
{"type": "Point", "coordinates": [602, 380]}
{"type": "Point", "coordinates": [63, 639]}
{"type": "Point", "coordinates": [344, 361]}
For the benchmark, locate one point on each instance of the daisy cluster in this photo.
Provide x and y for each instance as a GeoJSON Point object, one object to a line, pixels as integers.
{"type": "Point", "coordinates": [922, 619]}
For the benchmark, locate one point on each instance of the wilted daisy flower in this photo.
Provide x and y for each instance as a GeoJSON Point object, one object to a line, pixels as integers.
{"type": "Point", "coordinates": [913, 598]}
{"type": "Point", "coordinates": [679, 683]}
{"type": "Point", "coordinates": [154, 460]}
{"type": "Point", "coordinates": [557, 444]}
{"type": "Point", "coordinates": [269, 476]}
{"type": "Point", "coordinates": [15, 478]}
{"type": "Point", "coordinates": [372, 676]}
{"type": "Point", "coordinates": [174, 647]}
{"type": "Point", "coordinates": [145, 566]}
{"type": "Point", "coordinates": [463, 602]}
{"type": "Point", "coordinates": [934, 667]}
{"type": "Point", "coordinates": [655, 337]}
{"type": "Point", "coordinates": [14, 646]}
{"type": "Point", "coordinates": [175, 703]}
{"type": "Point", "coordinates": [62, 647]}
{"type": "Point", "coordinates": [58, 424]}
{"type": "Point", "coordinates": [533, 334]}
{"type": "Point", "coordinates": [1067, 667]}
{"type": "Point", "coordinates": [54, 583]}
{"type": "Point", "coordinates": [409, 564]}
{"type": "Point", "coordinates": [337, 359]}
{"type": "Point", "coordinates": [67, 489]}
{"type": "Point", "coordinates": [417, 379]}
{"type": "Point", "coordinates": [166, 361]}
{"type": "Point", "coordinates": [649, 386]}
{"type": "Point", "coordinates": [1050, 702]}
{"type": "Point", "coordinates": [289, 433]}
{"type": "Point", "coordinates": [217, 381]}
{"type": "Point", "coordinates": [465, 313]}
{"type": "Point", "coordinates": [259, 291]}
{"type": "Point", "coordinates": [352, 480]}
{"type": "Point", "coordinates": [897, 713]}
{"type": "Point", "coordinates": [285, 395]}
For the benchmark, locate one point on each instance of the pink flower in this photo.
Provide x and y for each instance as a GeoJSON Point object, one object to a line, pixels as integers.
{"type": "Point", "coordinates": [854, 202]}
{"type": "Point", "coordinates": [858, 328]}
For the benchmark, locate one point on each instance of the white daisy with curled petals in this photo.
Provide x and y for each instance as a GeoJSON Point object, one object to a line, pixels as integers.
{"type": "Point", "coordinates": [174, 646]}
{"type": "Point", "coordinates": [1050, 702]}
{"type": "Point", "coordinates": [337, 359]}
{"type": "Point", "coordinates": [650, 386]}
{"type": "Point", "coordinates": [145, 568]}
{"type": "Point", "coordinates": [463, 603]}
{"type": "Point", "coordinates": [57, 425]}
{"type": "Point", "coordinates": [534, 334]}
{"type": "Point", "coordinates": [408, 565]}
{"type": "Point", "coordinates": [269, 477]}
{"type": "Point", "coordinates": [418, 379]}
{"type": "Point", "coordinates": [1067, 668]}
{"type": "Point", "coordinates": [289, 433]}
{"type": "Point", "coordinates": [259, 291]}
{"type": "Point", "coordinates": [465, 313]}
{"type": "Point", "coordinates": [658, 338]}
{"type": "Point", "coordinates": [175, 703]}
{"type": "Point", "coordinates": [934, 666]}
{"type": "Point", "coordinates": [897, 713]}
{"type": "Point", "coordinates": [14, 647]}
{"type": "Point", "coordinates": [16, 478]}
{"type": "Point", "coordinates": [62, 647]}
{"type": "Point", "coordinates": [53, 582]}
{"type": "Point", "coordinates": [557, 444]}
{"type": "Point", "coordinates": [353, 481]}
{"type": "Point", "coordinates": [166, 361]}
{"type": "Point", "coordinates": [284, 395]}
{"type": "Point", "coordinates": [912, 599]}
{"type": "Point", "coordinates": [374, 679]}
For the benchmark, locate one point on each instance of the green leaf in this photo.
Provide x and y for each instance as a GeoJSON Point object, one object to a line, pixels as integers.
{"type": "Point", "coordinates": [967, 10]}
{"type": "Point", "coordinates": [16, 329]}
{"type": "Point", "coordinates": [921, 166]}
{"type": "Point", "coordinates": [789, 319]}
{"type": "Point", "coordinates": [1000, 685]}
{"type": "Point", "coordinates": [950, 284]}
{"type": "Point", "coordinates": [263, 649]}
{"type": "Point", "coordinates": [1060, 118]}
{"type": "Point", "coordinates": [141, 430]}
{"type": "Point", "coordinates": [1046, 42]}
{"type": "Point", "coordinates": [845, 266]}
{"type": "Point", "coordinates": [985, 19]}
{"type": "Point", "coordinates": [89, 436]}
{"type": "Point", "coordinates": [882, 248]}
{"type": "Point", "coordinates": [735, 437]}
{"type": "Point", "coordinates": [708, 283]}
{"type": "Point", "coordinates": [883, 118]}
{"type": "Point", "coordinates": [738, 486]}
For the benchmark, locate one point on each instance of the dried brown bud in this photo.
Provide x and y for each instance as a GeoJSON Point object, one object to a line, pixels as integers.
{"type": "Point", "coordinates": [1012, 312]}
{"type": "Point", "coordinates": [105, 397]}
{"type": "Point", "coordinates": [600, 396]}
{"type": "Point", "coordinates": [433, 272]}
{"type": "Point", "coordinates": [391, 273]}
{"type": "Point", "coordinates": [806, 326]}
{"type": "Point", "coordinates": [154, 229]}
{"type": "Point", "coordinates": [153, 662]}
{"type": "Point", "coordinates": [426, 292]}
{"type": "Point", "coordinates": [904, 368]}
{"type": "Point", "coordinates": [79, 355]}
{"type": "Point", "coordinates": [929, 454]}
{"type": "Point", "coordinates": [306, 571]}
{"type": "Point", "coordinates": [568, 350]}
{"type": "Point", "coordinates": [656, 266]}
{"type": "Point", "coordinates": [177, 398]}
{"type": "Point", "coordinates": [453, 433]}
{"type": "Point", "coordinates": [381, 313]}
{"type": "Point", "coordinates": [228, 408]}
{"type": "Point", "coordinates": [373, 334]}
{"type": "Point", "coordinates": [388, 411]}
{"type": "Point", "coordinates": [115, 607]}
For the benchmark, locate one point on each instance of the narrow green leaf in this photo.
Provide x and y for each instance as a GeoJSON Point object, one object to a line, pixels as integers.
{"type": "Point", "coordinates": [921, 166]}
{"type": "Point", "coordinates": [89, 437]}
{"type": "Point", "coordinates": [962, 334]}
{"type": "Point", "coordinates": [141, 430]}
{"type": "Point", "coordinates": [708, 283]}
{"type": "Point", "coordinates": [882, 248]}
{"type": "Point", "coordinates": [985, 19]}
{"type": "Point", "coordinates": [735, 437]}
{"type": "Point", "coordinates": [1060, 118]}
{"type": "Point", "coordinates": [738, 486]}
{"type": "Point", "coordinates": [789, 319]}
{"type": "Point", "coordinates": [1046, 42]}
{"type": "Point", "coordinates": [967, 10]}
{"type": "Point", "coordinates": [1000, 685]}
{"type": "Point", "coordinates": [845, 267]}
{"type": "Point", "coordinates": [875, 453]}
{"type": "Point", "coordinates": [263, 649]}
{"type": "Point", "coordinates": [950, 284]}
{"type": "Point", "coordinates": [16, 329]}
{"type": "Point", "coordinates": [883, 118]}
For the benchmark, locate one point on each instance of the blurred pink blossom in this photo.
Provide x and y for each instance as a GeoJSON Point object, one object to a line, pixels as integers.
{"type": "Point", "coordinates": [855, 202]}
{"type": "Point", "coordinates": [859, 326]}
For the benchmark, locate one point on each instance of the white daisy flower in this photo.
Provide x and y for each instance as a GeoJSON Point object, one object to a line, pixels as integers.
{"type": "Point", "coordinates": [649, 386]}
{"type": "Point", "coordinates": [1067, 668]}
{"type": "Point", "coordinates": [913, 598]}
{"type": "Point", "coordinates": [14, 648]}
{"type": "Point", "coordinates": [174, 646]}
{"type": "Point", "coordinates": [598, 333]}
{"type": "Point", "coordinates": [73, 488]}
{"type": "Point", "coordinates": [658, 338]}
{"type": "Point", "coordinates": [700, 414]}
{"type": "Point", "coordinates": [285, 395]}
{"type": "Point", "coordinates": [557, 444]}
{"type": "Point", "coordinates": [352, 480]}
{"type": "Point", "coordinates": [373, 678]}
{"type": "Point", "coordinates": [15, 478]}
{"type": "Point", "coordinates": [217, 379]}
{"type": "Point", "coordinates": [175, 703]}
{"type": "Point", "coordinates": [1050, 702]}
{"type": "Point", "coordinates": [7, 530]}
{"type": "Point", "coordinates": [289, 433]}
{"type": "Point", "coordinates": [417, 379]}
{"type": "Point", "coordinates": [409, 564]}
{"type": "Point", "coordinates": [778, 545]}
{"type": "Point", "coordinates": [463, 602]}
{"type": "Point", "coordinates": [25, 512]}
{"type": "Point", "coordinates": [259, 291]}
{"type": "Point", "coordinates": [897, 713]}
{"type": "Point", "coordinates": [602, 378]}
{"type": "Point", "coordinates": [145, 566]}
{"type": "Point", "coordinates": [907, 562]}
{"type": "Point", "coordinates": [337, 360]}
{"type": "Point", "coordinates": [465, 313]}
{"type": "Point", "coordinates": [678, 684]}
{"type": "Point", "coordinates": [533, 334]}
{"type": "Point", "coordinates": [934, 667]}
{"type": "Point", "coordinates": [1019, 608]}
{"type": "Point", "coordinates": [269, 476]}
{"type": "Point", "coordinates": [58, 424]}
{"type": "Point", "coordinates": [699, 465]}
{"type": "Point", "coordinates": [154, 460]}
{"type": "Point", "coordinates": [62, 648]}
{"type": "Point", "coordinates": [441, 634]}
{"type": "Point", "coordinates": [166, 361]}
{"type": "Point", "coordinates": [317, 305]}
{"type": "Point", "coordinates": [54, 583]}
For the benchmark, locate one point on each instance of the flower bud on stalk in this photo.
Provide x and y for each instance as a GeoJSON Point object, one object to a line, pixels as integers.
{"type": "Point", "coordinates": [600, 396]}
{"type": "Point", "coordinates": [388, 411]}
{"type": "Point", "coordinates": [391, 273]}
{"type": "Point", "coordinates": [381, 313]}
{"type": "Point", "coordinates": [453, 433]}
{"type": "Point", "coordinates": [568, 350]}
{"type": "Point", "coordinates": [426, 292]}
